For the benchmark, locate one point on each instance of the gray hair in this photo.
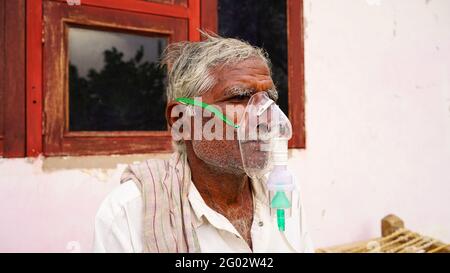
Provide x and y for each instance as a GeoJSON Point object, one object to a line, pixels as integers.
{"type": "Point", "coordinates": [190, 64]}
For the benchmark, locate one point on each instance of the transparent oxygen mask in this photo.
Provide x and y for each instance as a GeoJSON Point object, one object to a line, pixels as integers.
{"type": "Point", "coordinates": [262, 130]}
{"type": "Point", "coordinates": [263, 134]}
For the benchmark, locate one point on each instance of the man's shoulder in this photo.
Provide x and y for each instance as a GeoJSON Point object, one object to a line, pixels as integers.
{"type": "Point", "coordinates": [165, 160]}
{"type": "Point", "coordinates": [114, 205]}
{"type": "Point", "coordinates": [128, 192]}
{"type": "Point", "coordinates": [153, 169]}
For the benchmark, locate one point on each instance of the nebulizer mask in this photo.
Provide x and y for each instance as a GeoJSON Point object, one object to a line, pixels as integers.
{"type": "Point", "coordinates": [263, 133]}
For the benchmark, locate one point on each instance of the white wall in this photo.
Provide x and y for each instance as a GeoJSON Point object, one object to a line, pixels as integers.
{"type": "Point", "coordinates": [378, 136]}
{"type": "Point", "coordinates": [49, 211]}
{"type": "Point", "coordinates": [377, 117]}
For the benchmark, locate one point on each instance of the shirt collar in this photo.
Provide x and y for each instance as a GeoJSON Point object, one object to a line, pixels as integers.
{"type": "Point", "coordinates": [202, 211]}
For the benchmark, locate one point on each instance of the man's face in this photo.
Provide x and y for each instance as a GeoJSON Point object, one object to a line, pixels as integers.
{"type": "Point", "coordinates": [252, 75]}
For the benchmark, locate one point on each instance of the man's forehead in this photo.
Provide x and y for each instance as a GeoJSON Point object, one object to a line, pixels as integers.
{"type": "Point", "coordinates": [251, 75]}
{"type": "Point", "coordinates": [245, 76]}
{"type": "Point", "coordinates": [247, 66]}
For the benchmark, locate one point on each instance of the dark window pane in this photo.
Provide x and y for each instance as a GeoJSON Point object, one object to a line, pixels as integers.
{"type": "Point", "coordinates": [115, 82]}
{"type": "Point", "coordinates": [262, 23]}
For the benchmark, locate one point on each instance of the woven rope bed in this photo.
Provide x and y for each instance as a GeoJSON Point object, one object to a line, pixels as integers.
{"type": "Point", "coordinates": [395, 239]}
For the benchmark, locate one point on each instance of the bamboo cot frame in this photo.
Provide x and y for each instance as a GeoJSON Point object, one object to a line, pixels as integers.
{"type": "Point", "coordinates": [395, 238]}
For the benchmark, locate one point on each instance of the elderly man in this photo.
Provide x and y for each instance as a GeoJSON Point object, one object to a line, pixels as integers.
{"type": "Point", "coordinates": [201, 199]}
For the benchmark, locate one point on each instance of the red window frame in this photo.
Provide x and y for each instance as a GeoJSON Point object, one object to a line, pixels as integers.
{"type": "Point", "coordinates": [57, 139]}
{"type": "Point", "coordinates": [200, 14]}
{"type": "Point", "coordinates": [12, 78]}
{"type": "Point", "coordinates": [296, 72]}
{"type": "Point", "coordinates": [48, 137]}
{"type": "Point", "coordinates": [2, 69]}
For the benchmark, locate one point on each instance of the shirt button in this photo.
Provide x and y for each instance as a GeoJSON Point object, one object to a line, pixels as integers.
{"type": "Point", "coordinates": [260, 223]}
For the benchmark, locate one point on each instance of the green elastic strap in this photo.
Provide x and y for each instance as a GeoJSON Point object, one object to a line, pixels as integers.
{"type": "Point", "coordinates": [208, 107]}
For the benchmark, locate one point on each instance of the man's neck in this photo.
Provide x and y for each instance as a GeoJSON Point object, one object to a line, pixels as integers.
{"type": "Point", "coordinates": [216, 186]}
{"type": "Point", "coordinates": [228, 193]}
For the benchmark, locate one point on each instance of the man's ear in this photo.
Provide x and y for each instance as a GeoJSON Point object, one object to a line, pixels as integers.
{"type": "Point", "coordinates": [171, 115]}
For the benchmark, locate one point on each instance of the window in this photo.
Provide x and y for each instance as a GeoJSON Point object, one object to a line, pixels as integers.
{"type": "Point", "coordinates": [262, 23]}
{"type": "Point", "coordinates": [117, 85]}
{"type": "Point", "coordinates": [64, 69]}
{"type": "Point", "coordinates": [275, 26]}
{"type": "Point", "coordinates": [103, 89]}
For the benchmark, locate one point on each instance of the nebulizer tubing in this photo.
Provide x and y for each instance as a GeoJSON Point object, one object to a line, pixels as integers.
{"type": "Point", "coordinates": [280, 182]}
